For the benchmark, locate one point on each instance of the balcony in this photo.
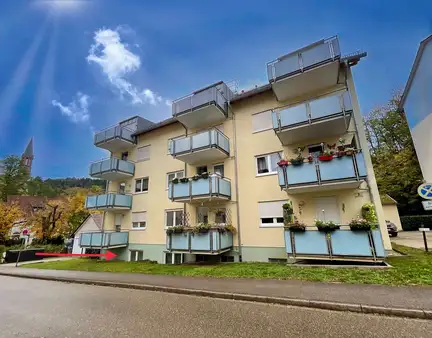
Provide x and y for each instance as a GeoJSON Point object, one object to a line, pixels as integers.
{"type": "Point", "coordinates": [320, 118]}
{"type": "Point", "coordinates": [213, 187]}
{"type": "Point", "coordinates": [109, 202]}
{"type": "Point", "coordinates": [209, 146]}
{"type": "Point", "coordinates": [211, 243]}
{"type": "Point", "coordinates": [104, 240]}
{"type": "Point", "coordinates": [205, 107]}
{"type": "Point", "coordinates": [346, 172]}
{"type": "Point", "coordinates": [115, 139]}
{"type": "Point", "coordinates": [112, 169]}
{"type": "Point", "coordinates": [309, 69]}
{"type": "Point", "coordinates": [343, 244]}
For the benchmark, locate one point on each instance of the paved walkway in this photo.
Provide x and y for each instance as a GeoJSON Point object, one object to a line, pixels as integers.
{"type": "Point", "coordinates": [409, 297]}
{"type": "Point", "coordinates": [413, 239]}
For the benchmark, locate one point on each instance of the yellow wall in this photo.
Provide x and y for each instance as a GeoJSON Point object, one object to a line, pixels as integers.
{"type": "Point", "coordinates": [391, 213]}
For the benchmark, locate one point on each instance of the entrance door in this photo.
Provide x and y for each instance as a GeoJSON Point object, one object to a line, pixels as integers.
{"type": "Point", "coordinates": [327, 209]}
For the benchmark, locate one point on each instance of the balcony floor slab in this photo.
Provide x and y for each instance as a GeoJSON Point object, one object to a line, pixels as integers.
{"type": "Point", "coordinates": [325, 186]}
{"type": "Point", "coordinates": [115, 145]}
{"type": "Point", "coordinates": [112, 175]}
{"type": "Point", "coordinates": [210, 114]}
{"type": "Point", "coordinates": [202, 156]}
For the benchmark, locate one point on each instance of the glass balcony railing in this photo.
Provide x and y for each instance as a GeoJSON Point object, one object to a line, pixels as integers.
{"type": "Point", "coordinates": [109, 201]}
{"type": "Point", "coordinates": [218, 95]}
{"type": "Point", "coordinates": [210, 242]}
{"type": "Point", "coordinates": [304, 59]}
{"type": "Point", "coordinates": [312, 111]}
{"type": "Point", "coordinates": [213, 186]}
{"type": "Point", "coordinates": [111, 165]}
{"type": "Point", "coordinates": [116, 132]}
{"type": "Point", "coordinates": [213, 138]}
{"type": "Point", "coordinates": [322, 172]}
{"type": "Point", "coordinates": [104, 240]}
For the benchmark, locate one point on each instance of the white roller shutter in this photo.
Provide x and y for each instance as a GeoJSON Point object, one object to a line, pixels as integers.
{"type": "Point", "coordinates": [139, 217]}
{"type": "Point", "coordinates": [270, 209]}
{"type": "Point", "coordinates": [262, 121]}
{"type": "Point", "coordinates": [143, 153]}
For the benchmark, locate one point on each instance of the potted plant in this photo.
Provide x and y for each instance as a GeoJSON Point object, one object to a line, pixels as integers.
{"type": "Point", "coordinates": [196, 177]}
{"type": "Point", "coordinates": [326, 156]}
{"type": "Point", "coordinates": [296, 226]}
{"type": "Point", "coordinates": [205, 175]}
{"type": "Point", "coordinates": [310, 158]}
{"type": "Point", "coordinates": [360, 224]}
{"type": "Point", "coordinates": [298, 160]}
{"type": "Point", "coordinates": [326, 226]}
{"type": "Point", "coordinates": [288, 214]}
{"type": "Point", "coordinates": [184, 180]}
{"type": "Point", "coordinates": [178, 229]}
{"type": "Point", "coordinates": [349, 151]}
{"type": "Point", "coordinates": [175, 180]}
{"type": "Point", "coordinates": [230, 228]}
{"type": "Point", "coordinates": [282, 163]}
{"type": "Point", "coordinates": [201, 228]}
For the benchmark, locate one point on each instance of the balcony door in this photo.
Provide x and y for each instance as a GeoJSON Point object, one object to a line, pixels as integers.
{"type": "Point", "coordinates": [327, 209]}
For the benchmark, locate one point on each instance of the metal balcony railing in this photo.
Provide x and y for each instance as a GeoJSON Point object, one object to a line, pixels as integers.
{"type": "Point", "coordinates": [312, 111]}
{"type": "Point", "coordinates": [212, 186]}
{"type": "Point", "coordinates": [103, 240]}
{"type": "Point", "coordinates": [212, 138]}
{"type": "Point", "coordinates": [111, 165]}
{"type": "Point", "coordinates": [304, 59]}
{"type": "Point", "coordinates": [108, 201]}
{"type": "Point", "coordinates": [211, 242]}
{"type": "Point", "coordinates": [111, 133]}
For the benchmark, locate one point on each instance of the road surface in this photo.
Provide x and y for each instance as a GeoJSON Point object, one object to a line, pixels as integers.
{"type": "Point", "coordinates": [34, 308]}
{"type": "Point", "coordinates": [413, 239]}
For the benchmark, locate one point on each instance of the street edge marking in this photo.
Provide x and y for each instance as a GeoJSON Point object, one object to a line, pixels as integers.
{"type": "Point", "coordinates": [324, 305]}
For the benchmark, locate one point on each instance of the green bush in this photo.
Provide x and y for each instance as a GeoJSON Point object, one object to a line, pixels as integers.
{"type": "Point", "coordinates": [412, 223]}
{"type": "Point", "coordinates": [46, 247]}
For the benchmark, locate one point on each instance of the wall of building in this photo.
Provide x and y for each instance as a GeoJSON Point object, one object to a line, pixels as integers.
{"type": "Point", "coordinates": [418, 110]}
{"type": "Point", "coordinates": [391, 213]}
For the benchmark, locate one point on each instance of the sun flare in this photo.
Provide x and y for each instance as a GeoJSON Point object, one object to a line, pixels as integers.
{"type": "Point", "coordinates": [62, 6]}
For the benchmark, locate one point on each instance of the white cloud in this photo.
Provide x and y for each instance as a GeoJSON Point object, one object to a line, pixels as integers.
{"type": "Point", "coordinates": [77, 110]}
{"type": "Point", "coordinates": [117, 62]}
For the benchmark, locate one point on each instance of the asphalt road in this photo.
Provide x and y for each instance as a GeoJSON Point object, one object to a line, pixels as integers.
{"type": "Point", "coordinates": [34, 308]}
{"type": "Point", "coordinates": [413, 239]}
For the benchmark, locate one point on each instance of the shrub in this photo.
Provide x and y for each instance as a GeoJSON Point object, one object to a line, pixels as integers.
{"type": "Point", "coordinates": [2, 249]}
{"type": "Point", "coordinates": [175, 230]}
{"type": "Point", "coordinates": [412, 223]}
{"type": "Point", "coordinates": [201, 228]}
{"type": "Point", "coordinates": [368, 212]}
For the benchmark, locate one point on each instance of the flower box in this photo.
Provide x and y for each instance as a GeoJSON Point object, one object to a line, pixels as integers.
{"type": "Point", "coordinates": [282, 163]}
{"type": "Point", "coordinates": [325, 157]}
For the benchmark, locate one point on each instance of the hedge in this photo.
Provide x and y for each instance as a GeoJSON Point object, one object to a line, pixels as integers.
{"type": "Point", "coordinates": [412, 223]}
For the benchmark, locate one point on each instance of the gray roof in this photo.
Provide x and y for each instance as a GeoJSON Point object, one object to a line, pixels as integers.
{"type": "Point", "coordinates": [98, 219]}
{"type": "Point", "coordinates": [154, 126]}
{"type": "Point", "coordinates": [414, 69]}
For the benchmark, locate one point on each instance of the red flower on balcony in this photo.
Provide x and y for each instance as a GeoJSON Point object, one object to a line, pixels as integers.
{"type": "Point", "coordinates": [282, 163]}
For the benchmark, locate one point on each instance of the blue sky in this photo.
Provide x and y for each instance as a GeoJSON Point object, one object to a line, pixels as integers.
{"type": "Point", "coordinates": [70, 67]}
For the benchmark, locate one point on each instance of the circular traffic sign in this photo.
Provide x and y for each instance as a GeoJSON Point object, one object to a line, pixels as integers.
{"type": "Point", "coordinates": [425, 191]}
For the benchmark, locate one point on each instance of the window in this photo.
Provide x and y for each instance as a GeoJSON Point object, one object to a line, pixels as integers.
{"type": "Point", "coordinates": [202, 214]}
{"type": "Point", "coordinates": [141, 185]}
{"type": "Point", "coordinates": [136, 255]}
{"type": "Point", "coordinates": [315, 150]}
{"type": "Point", "coordinates": [220, 216]}
{"type": "Point", "coordinates": [143, 153]}
{"type": "Point", "coordinates": [122, 188]}
{"type": "Point", "coordinates": [262, 121]}
{"type": "Point", "coordinates": [268, 163]}
{"type": "Point", "coordinates": [201, 169]}
{"type": "Point", "coordinates": [173, 258]}
{"type": "Point", "coordinates": [171, 176]}
{"type": "Point", "coordinates": [139, 220]}
{"type": "Point", "coordinates": [118, 221]}
{"type": "Point", "coordinates": [174, 218]}
{"type": "Point", "coordinates": [124, 156]}
{"type": "Point", "coordinates": [271, 213]}
{"type": "Point", "coordinates": [219, 169]}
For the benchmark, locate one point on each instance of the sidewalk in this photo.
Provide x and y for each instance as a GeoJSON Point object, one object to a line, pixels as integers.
{"type": "Point", "coordinates": [410, 301]}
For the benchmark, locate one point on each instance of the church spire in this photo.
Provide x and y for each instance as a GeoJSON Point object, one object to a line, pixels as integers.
{"type": "Point", "coordinates": [28, 156]}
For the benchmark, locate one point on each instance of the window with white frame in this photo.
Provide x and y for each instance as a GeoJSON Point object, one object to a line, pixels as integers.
{"type": "Point", "coordinates": [271, 213]}
{"type": "Point", "coordinates": [136, 255]}
{"type": "Point", "coordinates": [143, 153]}
{"type": "Point", "coordinates": [221, 216]}
{"type": "Point", "coordinates": [262, 121]}
{"type": "Point", "coordinates": [139, 220]}
{"type": "Point", "coordinates": [141, 184]}
{"type": "Point", "coordinates": [171, 176]}
{"type": "Point", "coordinates": [174, 258]}
{"type": "Point", "coordinates": [174, 218]}
{"type": "Point", "coordinates": [267, 164]}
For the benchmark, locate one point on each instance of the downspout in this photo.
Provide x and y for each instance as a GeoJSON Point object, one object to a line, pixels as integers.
{"type": "Point", "coordinates": [185, 175]}
{"type": "Point", "coordinates": [236, 184]}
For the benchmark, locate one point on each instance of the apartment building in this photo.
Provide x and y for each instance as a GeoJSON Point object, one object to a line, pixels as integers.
{"type": "Point", "coordinates": [220, 160]}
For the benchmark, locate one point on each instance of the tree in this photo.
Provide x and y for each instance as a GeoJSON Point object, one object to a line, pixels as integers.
{"type": "Point", "coordinates": [14, 179]}
{"type": "Point", "coordinates": [9, 214]}
{"type": "Point", "coordinates": [38, 187]}
{"type": "Point", "coordinates": [393, 155]}
{"type": "Point", "coordinates": [50, 221]}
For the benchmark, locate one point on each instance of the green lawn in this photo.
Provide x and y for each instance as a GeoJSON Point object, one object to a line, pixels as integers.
{"type": "Point", "coordinates": [414, 269]}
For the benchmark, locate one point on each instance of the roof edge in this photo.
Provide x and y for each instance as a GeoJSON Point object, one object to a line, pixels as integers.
{"type": "Point", "coordinates": [413, 71]}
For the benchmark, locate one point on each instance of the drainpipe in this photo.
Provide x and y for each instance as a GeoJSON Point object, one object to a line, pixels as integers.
{"type": "Point", "coordinates": [185, 174]}
{"type": "Point", "coordinates": [372, 185]}
{"type": "Point", "coordinates": [236, 185]}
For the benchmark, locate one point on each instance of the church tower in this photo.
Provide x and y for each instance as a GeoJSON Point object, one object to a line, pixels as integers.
{"type": "Point", "coordinates": [27, 157]}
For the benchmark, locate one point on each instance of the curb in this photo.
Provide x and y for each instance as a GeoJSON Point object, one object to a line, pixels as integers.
{"type": "Point", "coordinates": [325, 305]}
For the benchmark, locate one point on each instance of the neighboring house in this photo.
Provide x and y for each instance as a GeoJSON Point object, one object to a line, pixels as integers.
{"type": "Point", "coordinates": [417, 105]}
{"type": "Point", "coordinates": [310, 102]}
{"type": "Point", "coordinates": [27, 158]}
{"type": "Point", "coordinates": [92, 224]}
{"type": "Point", "coordinates": [391, 212]}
